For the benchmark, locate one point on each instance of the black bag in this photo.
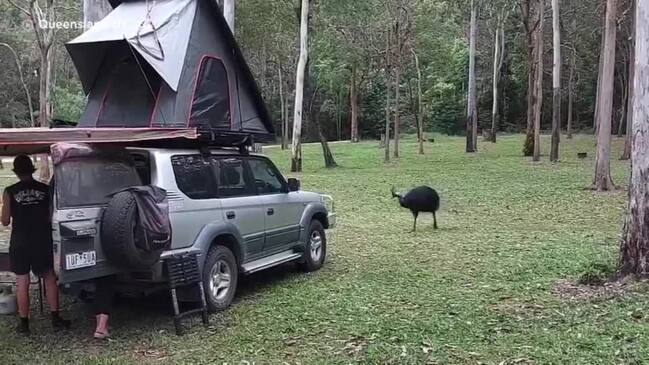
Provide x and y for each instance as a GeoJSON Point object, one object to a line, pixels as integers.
{"type": "Point", "coordinates": [153, 217]}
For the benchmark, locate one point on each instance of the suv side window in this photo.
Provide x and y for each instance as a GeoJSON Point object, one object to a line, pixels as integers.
{"type": "Point", "coordinates": [194, 176]}
{"type": "Point", "coordinates": [268, 179]}
{"type": "Point", "coordinates": [233, 177]}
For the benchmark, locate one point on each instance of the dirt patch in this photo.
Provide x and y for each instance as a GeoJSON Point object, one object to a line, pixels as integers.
{"type": "Point", "coordinates": [570, 290]}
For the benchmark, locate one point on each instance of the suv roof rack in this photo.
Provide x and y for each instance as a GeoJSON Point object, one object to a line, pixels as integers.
{"type": "Point", "coordinates": [211, 138]}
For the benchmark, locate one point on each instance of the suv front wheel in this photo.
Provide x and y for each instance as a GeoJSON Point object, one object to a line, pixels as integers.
{"type": "Point", "coordinates": [220, 276]}
{"type": "Point", "coordinates": [316, 247]}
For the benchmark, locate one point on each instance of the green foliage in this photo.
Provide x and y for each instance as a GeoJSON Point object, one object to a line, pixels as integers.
{"type": "Point", "coordinates": [596, 273]}
{"type": "Point", "coordinates": [69, 102]}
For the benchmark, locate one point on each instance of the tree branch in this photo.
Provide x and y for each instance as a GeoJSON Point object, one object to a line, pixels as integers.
{"type": "Point", "coordinates": [19, 7]}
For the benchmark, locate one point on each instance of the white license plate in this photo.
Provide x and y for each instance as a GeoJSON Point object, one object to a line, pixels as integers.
{"type": "Point", "coordinates": [79, 260]}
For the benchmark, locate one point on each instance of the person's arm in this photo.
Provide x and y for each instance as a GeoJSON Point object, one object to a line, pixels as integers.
{"type": "Point", "coordinates": [5, 219]}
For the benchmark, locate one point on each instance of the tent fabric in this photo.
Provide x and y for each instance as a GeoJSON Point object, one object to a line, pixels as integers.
{"type": "Point", "coordinates": [132, 94]}
{"type": "Point", "coordinates": [172, 20]}
{"type": "Point", "coordinates": [210, 85]}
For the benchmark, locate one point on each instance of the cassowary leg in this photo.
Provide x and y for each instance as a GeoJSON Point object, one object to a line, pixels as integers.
{"type": "Point", "coordinates": [434, 221]}
{"type": "Point", "coordinates": [414, 227]}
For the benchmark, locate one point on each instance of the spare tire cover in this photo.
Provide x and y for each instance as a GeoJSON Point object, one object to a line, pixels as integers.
{"type": "Point", "coordinates": [121, 234]}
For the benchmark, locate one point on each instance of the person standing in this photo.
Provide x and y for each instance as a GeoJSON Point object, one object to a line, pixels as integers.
{"type": "Point", "coordinates": [26, 206]}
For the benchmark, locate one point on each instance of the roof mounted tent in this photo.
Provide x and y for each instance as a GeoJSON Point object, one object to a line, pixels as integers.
{"type": "Point", "coordinates": [169, 64]}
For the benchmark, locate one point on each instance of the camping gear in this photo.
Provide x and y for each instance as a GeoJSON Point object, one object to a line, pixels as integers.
{"type": "Point", "coordinates": [8, 304]}
{"type": "Point", "coordinates": [135, 227]}
{"type": "Point", "coordinates": [168, 63]}
{"type": "Point", "coordinates": [184, 272]}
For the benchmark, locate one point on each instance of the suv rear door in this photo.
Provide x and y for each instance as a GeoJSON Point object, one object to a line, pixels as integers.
{"type": "Point", "coordinates": [282, 209]}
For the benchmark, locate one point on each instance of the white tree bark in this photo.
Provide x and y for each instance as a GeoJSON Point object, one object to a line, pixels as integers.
{"type": "Point", "coordinates": [603, 181]}
{"type": "Point", "coordinates": [281, 104]}
{"type": "Point", "coordinates": [228, 13]}
{"type": "Point", "coordinates": [630, 96]}
{"type": "Point", "coordinates": [472, 118]}
{"type": "Point", "coordinates": [499, 47]}
{"type": "Point", "coordinates": [420, 105]}
{"type": "Point", "coordinates": [556, 82]}
{"type": "Point", "coordinates": [634, 247]}
{"type": "Point", "coordinates": [94, 11]}
{"type": "Point", "coordinates": [296, 146]}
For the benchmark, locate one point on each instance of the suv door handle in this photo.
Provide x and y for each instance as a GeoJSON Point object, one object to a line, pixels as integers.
{"type": "Point", "coordinates": [270, 211]}
{"type": "Point", "coordinates": [230, 215]}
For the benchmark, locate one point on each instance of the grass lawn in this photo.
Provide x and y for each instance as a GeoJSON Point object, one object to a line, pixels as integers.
{"type": "Point", "coordinates": [488, 287]}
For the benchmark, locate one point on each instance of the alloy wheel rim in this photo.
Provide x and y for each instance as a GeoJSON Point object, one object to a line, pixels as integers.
{"type": "Point", "coordinates": [316, 246]}
{"type": "Point", "coordinates": [220, 280]}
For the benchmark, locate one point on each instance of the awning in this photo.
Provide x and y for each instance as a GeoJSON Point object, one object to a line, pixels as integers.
{"type": "Point", "coordinates": [163, 46]}
{"type": "Point", "coordinates": [38, 140]}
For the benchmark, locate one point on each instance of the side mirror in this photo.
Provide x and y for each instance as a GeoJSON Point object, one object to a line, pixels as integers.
{"type": "Point", "coordinates": [293, 184]}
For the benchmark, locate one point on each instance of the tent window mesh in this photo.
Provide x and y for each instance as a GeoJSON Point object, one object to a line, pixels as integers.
{"type": "Point", "coordinates": [211, 103]}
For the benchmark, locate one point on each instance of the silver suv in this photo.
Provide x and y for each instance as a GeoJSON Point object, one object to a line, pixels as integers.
{"type": "Point", "coordinates": [235, 210]}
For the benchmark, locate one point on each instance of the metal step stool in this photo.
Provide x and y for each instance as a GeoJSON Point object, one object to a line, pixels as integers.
{"type": "Point", "coordinates": [183, 271]}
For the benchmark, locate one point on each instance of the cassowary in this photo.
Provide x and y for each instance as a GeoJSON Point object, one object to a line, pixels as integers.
{"type": "Point", "coordinates": [421, 199]}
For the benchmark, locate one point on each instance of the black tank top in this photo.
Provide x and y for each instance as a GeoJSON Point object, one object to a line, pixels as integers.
{"type": "Point", "coordinates": [30, 210]}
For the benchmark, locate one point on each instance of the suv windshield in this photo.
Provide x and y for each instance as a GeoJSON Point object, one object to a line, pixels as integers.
{"type": "Point", "coordinates": [91, 181]}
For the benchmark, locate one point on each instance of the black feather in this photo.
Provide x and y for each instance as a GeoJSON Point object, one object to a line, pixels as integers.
{"type": "Point", "coordinates": [422, 199]}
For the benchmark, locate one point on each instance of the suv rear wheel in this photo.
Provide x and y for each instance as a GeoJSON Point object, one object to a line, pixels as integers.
{"type": "Point", "coordinates": [315, 250]}
{"type": "Point", "coordinates": [220, 277]}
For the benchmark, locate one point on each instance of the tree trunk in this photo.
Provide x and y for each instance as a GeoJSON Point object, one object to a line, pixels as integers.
{"type": "Point", "coordinates": [556, 82]}
{"type": "Point", "coordinates": [529, 22]}
{"type": "Point", "coordinates": [631, 93]}
{"type": "Point", "coordinates": [397, 89]}
{"type": "Point", "coordinates": [228, 13]}
{"type": "Point", "coordinates": [420, 105]}
{"type": "Point", "coordinates": [599, 81]}
{"type": "Point", "coordinates": [24, 84]}
{"type": "Point", "coordinates": [603, 181]}
{"type": "Point", "coordinates": [95, 10]}
{"type": "Point", "coordinates": [499, 39]}
{"type": "Point", "coordinates": [282, 103]}
{"type": "Point", "coordinates": [296, 145]}
{"type": "Point", "coordinates": [624, 85]}
{"type": "Point", "coordinates": [339, 115]}
{"type": "Point", "coordinates": [634, 246]}
{"type": "Point", "coordinates": [472, 118]}
{"type": "Point", "coordinates": [388, 102]}
{"type": "Point", "coordinates": [45, 89]}
{"type": "Point", "coordinates": [353, 101]}
{"type": "Point", "coordinates": [326, 151]}
{"type": "Point", "coordinates": [538, 90]}
{"type": "Point", "coordinates": [287, 115]}
{"type": "Point", "coordinates": [571, 93]}
{"type": "Point", "coordinates": [528, 147]}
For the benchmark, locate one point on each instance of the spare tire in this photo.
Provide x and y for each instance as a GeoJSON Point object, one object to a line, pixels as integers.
{"type": "Point", "coordinates": [121, 234]}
